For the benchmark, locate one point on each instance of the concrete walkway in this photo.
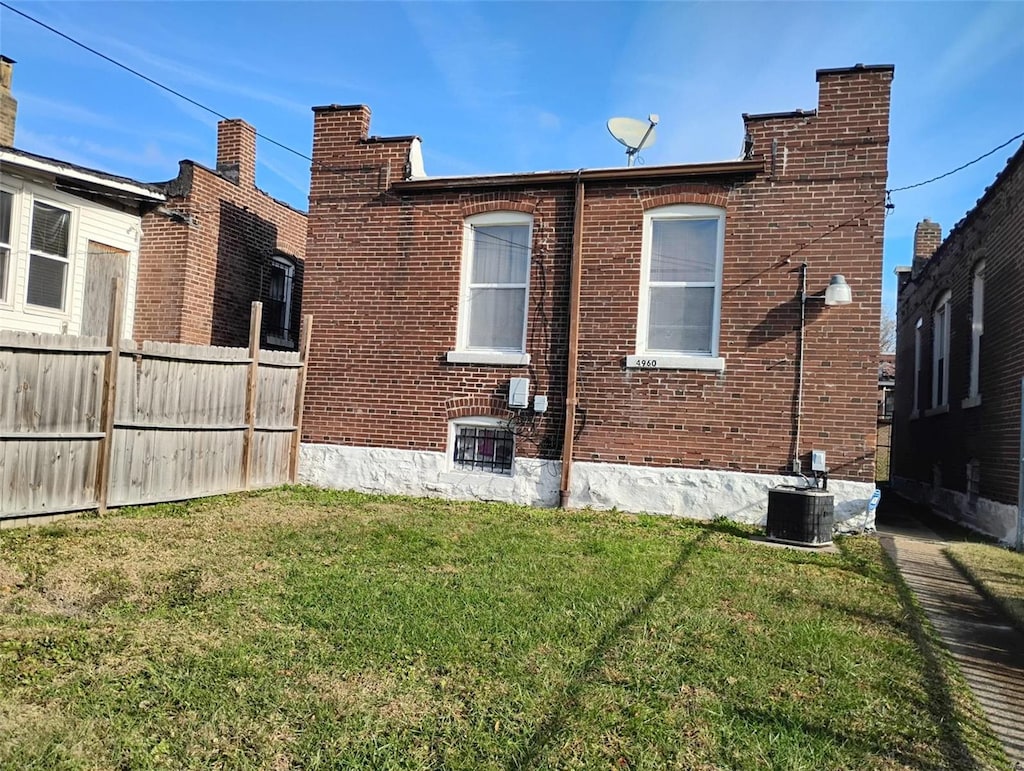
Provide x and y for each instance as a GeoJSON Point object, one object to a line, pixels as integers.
{"type": "Point", "coordinates": [989, 651]}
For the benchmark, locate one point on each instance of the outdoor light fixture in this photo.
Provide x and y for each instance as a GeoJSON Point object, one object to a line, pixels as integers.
{"type": "Point", "coordinates": [836, 293]}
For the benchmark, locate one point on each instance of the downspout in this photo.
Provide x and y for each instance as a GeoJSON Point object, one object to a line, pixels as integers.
{"type": "Point", "coordinates": [795, 463]}
{"type": "Point", "coordinates": [576, 281]}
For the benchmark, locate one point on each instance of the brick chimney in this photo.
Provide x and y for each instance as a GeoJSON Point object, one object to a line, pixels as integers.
{"type": "Point", "coordinates": [8, 104]}
{"type": "Point", "coordinates": [927, 238]}
{"type": "Point", "coordinates": [236, 151]}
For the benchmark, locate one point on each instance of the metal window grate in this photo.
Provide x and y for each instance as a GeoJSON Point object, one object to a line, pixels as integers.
{"type": "Point", "coordinates": [484, 449]}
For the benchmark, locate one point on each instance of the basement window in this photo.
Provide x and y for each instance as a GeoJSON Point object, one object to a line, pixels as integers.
{"type": "Point", "coordinates": [482, 444]}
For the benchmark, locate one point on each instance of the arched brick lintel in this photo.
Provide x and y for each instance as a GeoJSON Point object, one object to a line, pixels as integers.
{"type": "Point", "coordinates": [488, 202]}
{"type": "Point", "coordinates": [477, 406]}
{"type": "Point", "coordinates": [702, 195]}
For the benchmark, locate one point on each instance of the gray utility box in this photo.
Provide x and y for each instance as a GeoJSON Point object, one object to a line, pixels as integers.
{"type": "Point", "coordinates": [800, 515]}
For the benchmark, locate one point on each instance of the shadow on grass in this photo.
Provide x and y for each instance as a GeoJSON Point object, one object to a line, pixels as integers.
{"type": "Point", "coordinates": [570, 699]}
{"type": "Point", "coordinates": [941, 705]}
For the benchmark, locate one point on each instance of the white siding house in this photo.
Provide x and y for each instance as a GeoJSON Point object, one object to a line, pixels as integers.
{"type": "Point", "coordinates": [65, 232]}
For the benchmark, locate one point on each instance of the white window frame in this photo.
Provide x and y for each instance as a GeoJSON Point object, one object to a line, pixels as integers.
{"type": "Point", "coordinates": [645, 358]}
{"type": "Point", "coordinates": [479, 421]}
{"type": "Point", "coordinates": [917, 368]}
{"type": "Point", "coordinates": [66, 259]}
{"type": "Point", "coordinates": [977, 330]}
{"type": "Point", "coordinates": [7, 270]}
{"type": "Point", "coordinates": [289, 288]}
{"type": "Point", "coordinates": [940, 352]}
{"type": "Point", "coordinates": [463, 353]}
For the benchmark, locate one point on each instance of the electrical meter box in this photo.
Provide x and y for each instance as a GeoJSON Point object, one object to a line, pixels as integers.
{"type": "Point", "coordinates": [818, 461]}
{"type": "Point", "coordinates": [519, 392]}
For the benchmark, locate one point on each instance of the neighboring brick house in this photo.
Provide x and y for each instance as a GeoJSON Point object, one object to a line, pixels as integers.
{"type": "Point", "coordinates": [217, 245]}
{"type": "Point", "coordinates": [655, 312]}
{"type": "Point", "coordinates": [960, 360]}
{"type": "Point", "coordinates": [66, 232]}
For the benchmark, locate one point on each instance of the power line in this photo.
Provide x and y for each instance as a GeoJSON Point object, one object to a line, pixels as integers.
{"type": "Point", "coordinates": [958, 168]}
{"type": "Point", "coordinates": [146, 78]}
{"type": "Point", "coordinates": [395, 197]}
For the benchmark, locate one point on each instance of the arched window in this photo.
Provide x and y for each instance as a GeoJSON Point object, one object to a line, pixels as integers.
{"type": "Point", "coordinates": [940, 351]}
{"type": "Point", "coordinates": [495, 288]}
{"type": "Point", "coordinates": [977, 329]}
{"type": "Point", "coordinates": [680, 287]}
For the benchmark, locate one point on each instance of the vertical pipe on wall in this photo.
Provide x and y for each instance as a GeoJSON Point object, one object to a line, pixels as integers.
{"type": "Point", "coordinates": [1020, 481]}
{"type": "Point", "coordinates": [795, 463]}
{"type": "Point", "coordinates": [576, 281]}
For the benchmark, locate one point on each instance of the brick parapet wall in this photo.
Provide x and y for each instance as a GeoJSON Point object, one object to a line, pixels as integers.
{"type": "Point", "coordinates": [384, 281]}
{"type": "Point", "coordinates": [206, 253]}
{"type": "Point", "coordinates": [989, 432]}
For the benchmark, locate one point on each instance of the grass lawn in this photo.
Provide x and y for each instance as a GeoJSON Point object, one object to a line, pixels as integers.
{"type": "Point", "coordinates": [307, 629]}
{"type": "Point", "coordinates": [998, 571]}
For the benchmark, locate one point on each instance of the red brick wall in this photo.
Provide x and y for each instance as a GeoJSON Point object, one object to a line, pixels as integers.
{"type": "Point", "coordinates": [989, 432]}
{"type": "Point", "coordinates": [201, 267]}
{"type": "Point", "coordinates": [383, 281]}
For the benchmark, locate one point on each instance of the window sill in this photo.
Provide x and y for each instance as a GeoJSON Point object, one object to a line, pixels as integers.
{"type": "Point", "coordinates": [282, 342]}
{"type": "Point", "coordinates": [488, 357]}
{"type": "Point", "coordinates": [940, 410]}
{"type": "Point", "coordinates": [915, 414]}
{"type": "Point", "coordinates": [675, 361]}
{"type": "Point", "coordinates": [971, 401]}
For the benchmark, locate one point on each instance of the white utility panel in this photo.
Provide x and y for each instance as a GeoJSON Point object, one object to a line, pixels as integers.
{"type": "Point", "coordinates": [519, 392]}
{"type": "Point", "coordinates": [818, 460]}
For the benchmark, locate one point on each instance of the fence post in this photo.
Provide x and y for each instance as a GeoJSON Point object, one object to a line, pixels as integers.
{"type": "Point", "coordinates": [305, 333]}
{"type": "Point", "coordinates": [255, 323]}
{"type": "Point", "coordinates": [109, 396]}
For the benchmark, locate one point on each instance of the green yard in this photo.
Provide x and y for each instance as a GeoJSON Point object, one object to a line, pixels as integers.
{"type": "Point", "coordinates": [997, 571]}
{"type": "Point", "coordinates": [306, 629]}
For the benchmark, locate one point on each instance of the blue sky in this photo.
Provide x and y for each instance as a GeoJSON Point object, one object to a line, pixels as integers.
{"type": "Point", "coordinates": [505, 87]}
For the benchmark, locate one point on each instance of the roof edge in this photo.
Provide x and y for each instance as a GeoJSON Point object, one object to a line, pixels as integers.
{"type": "Point", "coordinates": [770, 115]}
{"type": "Point", "coordinates": [854, 69]}
{"type": "Point", "coordinates": [102, 179]}
{"type": "Point", "coordinates": [623, 174]}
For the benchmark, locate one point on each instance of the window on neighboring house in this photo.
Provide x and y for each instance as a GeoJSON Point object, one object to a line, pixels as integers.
{"type": "Point", "coordinates": [977, 328]}
{"type": "Point", "coordinates": [48, 256]}
{"type": "Point", "coordinates": [6, 207]}
{"type": "Point", "coordinates": [917, 365]}
{"type": "Point", "coordinates": [680, 287]}
{"type": "Point", "coordinates": [483, 444]}
{"type": "Point", "coordinates": [495, 288]}
{"type": "Point", "coordinates": [278, 316]}
{"type": "Point", "coordinates": [940, 352]}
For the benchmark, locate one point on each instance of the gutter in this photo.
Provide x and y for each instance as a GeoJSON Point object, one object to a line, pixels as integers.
{"type": "Point", "coordinates": [576, 282]}
{"type": "Point", "coordinates": [70, 172]}
{"type": "Point", "coordinates": [618, 174]}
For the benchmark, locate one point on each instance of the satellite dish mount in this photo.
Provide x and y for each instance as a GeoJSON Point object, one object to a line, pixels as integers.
{"type": "Point", "coordinates": [635, 134]}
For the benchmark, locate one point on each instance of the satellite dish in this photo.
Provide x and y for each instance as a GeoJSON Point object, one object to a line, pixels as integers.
{"type": "Point", "coordinates": [635, 134]}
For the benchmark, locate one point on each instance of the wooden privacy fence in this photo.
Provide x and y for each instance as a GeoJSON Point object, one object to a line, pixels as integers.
{"type": "Point", "coordinates": [87, 423]}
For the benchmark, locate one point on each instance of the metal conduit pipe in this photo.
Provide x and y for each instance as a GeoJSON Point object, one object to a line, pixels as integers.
{"type": "Point", "coordinates": [576, 282]}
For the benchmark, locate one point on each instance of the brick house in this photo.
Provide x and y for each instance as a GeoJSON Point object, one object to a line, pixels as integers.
{"type": "Point", "coordinates": [218, 244]}
{"type": "Point", "coordinates": [617, 338]}
{"type": "Point", "coordinates": [960, 360]}
{"type": "Point", "coordinates": [65, 232]}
